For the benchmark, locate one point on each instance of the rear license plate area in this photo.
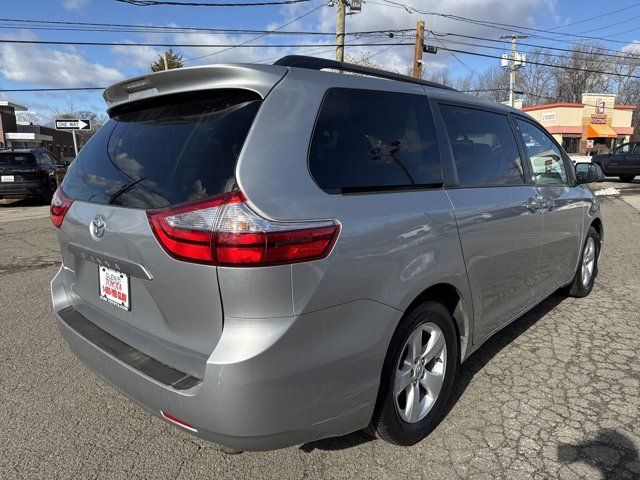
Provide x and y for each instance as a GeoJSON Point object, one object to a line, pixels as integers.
{"type": "Point", "coordinates": [7, 178]}
{"type": "Point", "coordinates": [114, 287]}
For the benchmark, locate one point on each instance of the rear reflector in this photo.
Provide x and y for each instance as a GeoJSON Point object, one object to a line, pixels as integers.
{"type": "Point", "coordinates": [223, 230]}
{"type": "Point", "coordinates": [177, 421]}
{"type": "Point", "coordinates": [60, 204]}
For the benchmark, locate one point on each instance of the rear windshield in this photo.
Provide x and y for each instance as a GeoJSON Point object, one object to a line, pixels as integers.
{"type": "Point", "coordinates": [158, 154]}
{"type": "Point", "coordinates": [17, 159]}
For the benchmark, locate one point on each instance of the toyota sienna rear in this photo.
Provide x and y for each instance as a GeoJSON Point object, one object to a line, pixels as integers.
{"type": "Point", "coordinates": [269, 255]}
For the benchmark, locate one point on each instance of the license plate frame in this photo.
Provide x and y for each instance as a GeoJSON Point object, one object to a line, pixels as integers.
{"type": "Point", "coordinates": [114, 287]}
{"type": "Point", "coordinates": [7, 178]}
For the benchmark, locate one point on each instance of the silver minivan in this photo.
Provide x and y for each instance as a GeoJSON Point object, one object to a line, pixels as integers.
{"type": "Point", "coordinates": [266, 255]}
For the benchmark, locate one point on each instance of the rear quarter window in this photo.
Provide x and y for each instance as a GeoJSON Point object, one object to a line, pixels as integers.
{"type": "Point", "coordinates": [17, 159]}
{"type": "Point", "coordinates": [372, 140]}
{"type": "Point", "coordinates": [165, 151]}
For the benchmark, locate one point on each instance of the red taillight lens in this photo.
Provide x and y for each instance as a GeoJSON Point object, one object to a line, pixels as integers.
{"type": "Point", "coordinates": [60, 204]}
{"type": "Point", "coordinates": [225, 231]}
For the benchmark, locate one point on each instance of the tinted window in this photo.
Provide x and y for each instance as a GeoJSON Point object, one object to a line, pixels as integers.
{"type": "Point", "coordinates": [483, 146]}
{"type": "Point", "coordinates": [44, 159]}
{"type": "Point", "coordinates": [156, 154]}
{"type": "Point", "coordinates": [17, 159]}
{"type": "Point", "coordinates": [636, 149]}
{"type": "Point", "coordinates": [374, 140]}
{"type": "Point", "coordinates": [545, 157]}
{"type": "Point", "coordinates": [626, 148]}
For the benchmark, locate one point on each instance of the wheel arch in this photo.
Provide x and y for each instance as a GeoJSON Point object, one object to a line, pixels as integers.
{"type": "Point", "coordinates": [457, 305]}
{"type": "Point", "coordinates": [597, 224]}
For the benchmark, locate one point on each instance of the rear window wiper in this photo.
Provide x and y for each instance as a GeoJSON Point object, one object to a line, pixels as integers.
{"type": "Point", "coordinates": [126, 188]}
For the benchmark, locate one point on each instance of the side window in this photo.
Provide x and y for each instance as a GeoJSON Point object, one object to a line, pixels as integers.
{"type": "Point", "coordinates": [626, 148]}
{"type": "Point", "coordinates": [43, 159]}
{"type": "Point", "coordinates": [53, 158]}
{"type": "Point", "coordinates": [372, 140]}
{"type": "Point", "coordinates": [545, 157]}
{"type": "Point", "coordinates": [483, 146]}
{"type": "Point", "coordinates": [636, 149]}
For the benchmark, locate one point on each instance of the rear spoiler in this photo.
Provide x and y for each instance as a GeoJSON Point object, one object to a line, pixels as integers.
{"type": "Point", "coordinates": [258, 78]}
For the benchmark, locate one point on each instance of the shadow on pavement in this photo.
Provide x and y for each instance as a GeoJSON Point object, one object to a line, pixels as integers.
{"type": "Point", "coordinates": [338, 443]}
{"type": "Point", "coordinates": [22, 202]}
{"type": "Point", "coordinates": [467, 371]}
{"type": "Point", "coordinates": [479, 359]}
{"type": "Point", "coordinates": [611, 452]}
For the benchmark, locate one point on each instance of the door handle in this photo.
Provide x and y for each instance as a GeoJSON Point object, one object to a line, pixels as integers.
{"type": "Point", "coordinates": [534, 204]}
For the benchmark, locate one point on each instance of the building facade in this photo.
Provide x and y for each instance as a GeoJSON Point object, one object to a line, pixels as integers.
{"type": "Point", "coordinates": [595, 125]}
{"type": "Point", "coordinates": [16, 134]}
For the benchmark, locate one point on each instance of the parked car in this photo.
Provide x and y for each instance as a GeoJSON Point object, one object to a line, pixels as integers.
{"type": "Point", "coordinates": [29, 173]}
{"type": "Point", "coordinates": [623, 161]}
{"type": "Point", "coordinates": [269, 255]}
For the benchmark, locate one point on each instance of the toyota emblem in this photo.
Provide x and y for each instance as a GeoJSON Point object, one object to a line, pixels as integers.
{"type": "Point", "coordinates": [98, 226]}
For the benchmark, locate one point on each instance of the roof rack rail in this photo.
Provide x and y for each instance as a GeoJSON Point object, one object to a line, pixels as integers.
{"type": "Point", "coordinates": [314, 63]}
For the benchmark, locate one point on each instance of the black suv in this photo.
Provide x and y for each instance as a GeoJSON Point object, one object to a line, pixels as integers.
{"type": "Point", "coordinates": [33, 172]}
{"type": "Point", "coordinates": [623, 162]}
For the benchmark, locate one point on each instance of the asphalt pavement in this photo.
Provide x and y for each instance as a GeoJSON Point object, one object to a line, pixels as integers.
{"type": "Point", "coordinates": [554, 395]}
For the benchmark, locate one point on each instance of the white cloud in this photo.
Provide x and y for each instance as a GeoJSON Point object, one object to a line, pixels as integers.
{"type": "Point", "coordinates": [36, 64]}
{"type": "Point", "coordinates": [633, 48]}
{"type": "Point", "coordinates": [377, 17]}
{"type": "Point", "coordinates": [137, 57]}
{"type": "Point", "coordinates": [74, 4]}
{"type": "Point", "coordinates": [373, 17]}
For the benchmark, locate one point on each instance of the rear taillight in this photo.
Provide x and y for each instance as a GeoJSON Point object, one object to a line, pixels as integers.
{"type": "Point", "coordinates": [223, 230]}
{"type": "Point", "coordinates": [60, 204]}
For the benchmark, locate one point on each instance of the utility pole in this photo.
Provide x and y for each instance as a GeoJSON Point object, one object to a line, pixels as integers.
{"type": "Point", "coordinates": [340, 16]}
{"type": "Point", "coordinates": [166, 63]}
{"type": "Point", "coordinates": [75, 142]}
{"type": "Point", "coordinates": [516, 60]}
{"type": "Point", "coordinates": [417, 53]}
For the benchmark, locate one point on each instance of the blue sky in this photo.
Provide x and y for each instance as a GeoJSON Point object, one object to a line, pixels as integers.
{"type": "Point", "coordinates": [32, 66]}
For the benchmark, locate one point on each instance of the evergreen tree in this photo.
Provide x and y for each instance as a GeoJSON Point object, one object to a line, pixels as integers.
{"type": "Point", "coordinates": [174, 60]}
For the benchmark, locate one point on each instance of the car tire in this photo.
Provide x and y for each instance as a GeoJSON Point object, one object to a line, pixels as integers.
{"type": "Point", "coordinates": [579, 286]}
{"type": "Point", "coordinates": [627, 178]}
{"type": "Point", "coordinates": [394, 420]}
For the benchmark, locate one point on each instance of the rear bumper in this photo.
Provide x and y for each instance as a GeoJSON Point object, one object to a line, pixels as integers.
{"type": "Point", "coordinates": [269, 383]}
{"type": "Point", "coordinates": [21, 188]}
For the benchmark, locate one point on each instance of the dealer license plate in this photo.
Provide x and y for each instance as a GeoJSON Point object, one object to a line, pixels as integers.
{"type": "Point", "coordinates": [114, 288]}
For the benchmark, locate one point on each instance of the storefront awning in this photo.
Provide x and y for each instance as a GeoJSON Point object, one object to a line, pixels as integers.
{"type": "Point", "coordinates": [600, 131]}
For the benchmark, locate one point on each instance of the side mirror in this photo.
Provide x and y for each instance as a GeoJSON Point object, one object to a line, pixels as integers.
{"type": "Point", "coordinates": [588, 173]}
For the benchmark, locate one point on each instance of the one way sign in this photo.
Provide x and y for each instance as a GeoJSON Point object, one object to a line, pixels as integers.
{"type": "Point", "coordinates": [73, 124]}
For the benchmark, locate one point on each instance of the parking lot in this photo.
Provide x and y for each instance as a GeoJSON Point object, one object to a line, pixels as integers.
{"type": "Point", "coordinates": [554, 395]}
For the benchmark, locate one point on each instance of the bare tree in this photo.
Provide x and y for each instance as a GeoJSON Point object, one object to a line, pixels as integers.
{"type": "Point", "coordinates": [580, 72]}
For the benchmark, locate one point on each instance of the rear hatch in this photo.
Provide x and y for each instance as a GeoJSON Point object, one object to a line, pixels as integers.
{"type": "Point", "coordinates": [17, 167]}
{"type": "Point", "coordinates": [151, 154]}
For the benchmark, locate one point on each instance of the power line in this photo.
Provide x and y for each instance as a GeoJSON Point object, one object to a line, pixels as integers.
{"type": "Point", "coordinates": [137, 28]}
{"type": "Point", "coordinates": [584, 20]}
{"type": "Point", "coordinates": [565, 67]}
{"type": "Point", "coordinates": [155, 3]}
{"type": "Point", "coordinates": [259, 36]}
{"type": "Point", "coordinates": [497, 25]}
{"type": "Point", "coordinates": [458, 60]}
{"type": "Point", "coordinates": [50, 89]}
{"type": "Point", "coordinates": [547, 54]}
{"type": "Point", "coordinates": [560, 49]}
{"type": "Point", "coordinates": [175, 45]}
{"type": "Point", "coordinates": [208, 45]}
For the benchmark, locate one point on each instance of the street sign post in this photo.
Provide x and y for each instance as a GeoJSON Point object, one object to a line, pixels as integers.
{"type": "Point", "coordinates": [73, 124]}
